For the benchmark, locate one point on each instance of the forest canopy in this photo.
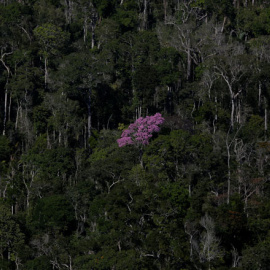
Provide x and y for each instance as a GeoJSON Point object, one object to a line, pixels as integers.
{"type": "Point", "coordinates": [189, 190]}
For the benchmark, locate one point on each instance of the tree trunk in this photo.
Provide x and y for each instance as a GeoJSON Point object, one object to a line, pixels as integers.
{"type": "Point", "coordinates": [17, 114]}
{"type": "Point", "coordinates": [232, 111]}
{"type": "Point", "coordinates": [94, 18]}
{"type": "Point", "coordinates": [138, 112]}
{"type": "Point", "coordinates": [223, 24]}
{"type": "Point", "coordinates": [9, 107]}
{"type": "Point", "coordinates": [93, 26]}
{"type": "Point", "coordinates": [68, 11]}
{"type": "Point", "coordinates": [85, 29]}
{"type": "Point", "coordinates": [46, 71]}
{"type": "Point", "coordinates": [5, 112]}
{"type": "Point", "coordinates": [145, 14]}
{"type": "Point", "coordinates": [265, 120]}
{"type": "Point", "coordinates": [89, 114]}
{"type": "Point", "coordinates": [216, 116]}
{"type": "Point", "coordinates": [260, 94]}
{"type": "Point", "coordinates": [189, 63]}
{"type": "Point", "coordinates": [165, 6]}
{"type": "Point", "coordinates": [238, 114]}
{"type": "Point", "coordinates": [228, 168]}
{"type": "Point", "coordinates": [6, 90]}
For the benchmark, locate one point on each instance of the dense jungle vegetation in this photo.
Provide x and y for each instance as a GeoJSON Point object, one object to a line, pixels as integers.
{"type": "Point", "coordinates": [74, 74]}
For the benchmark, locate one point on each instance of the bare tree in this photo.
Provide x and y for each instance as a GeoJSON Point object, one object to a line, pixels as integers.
{"type": "Point", "coordinates": [229, 143]}
{"type": "Point", "coordinates": [182, 40]}
{"type": "Point", "coordinates": [209, 244]}
{"type": "Point", "coordinates": [192, 231]}
{"type": "Point", "coordinates": [143, 16]}
{"type": "Point", "coordinates": [235, 257]}
{"type": "Point", "coordinates": [90, 16]}
{"type": "Point", "coordinates": [232, 69]}
{"type": "Point", "coordinates": [260, 49]}
{"type": "Point", "coordinates": [2, 60]}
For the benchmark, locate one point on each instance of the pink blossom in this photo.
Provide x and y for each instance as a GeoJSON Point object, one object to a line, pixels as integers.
{"type": "Point", "coordinates": [124, 141]}
{"type": "Point", "coordinates": [141, 130]}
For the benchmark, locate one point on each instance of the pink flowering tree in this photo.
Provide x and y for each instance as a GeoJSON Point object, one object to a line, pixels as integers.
{"type": "Point", "coordinates": [141, 131]}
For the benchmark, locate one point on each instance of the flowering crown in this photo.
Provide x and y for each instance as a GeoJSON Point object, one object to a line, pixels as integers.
{"type": "Point", "coordinates": [141, 130]}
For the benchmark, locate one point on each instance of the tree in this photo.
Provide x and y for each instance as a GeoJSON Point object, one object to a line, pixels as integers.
{"type": "Point", "coordinates": [64, 125]}
{"type": "Point", "coordinates": [6, 90]}
{"type": "Point", "coordinates": [127, 14]}
{"type": "Point", "coordinates": [253, 22]}
{"type": "Point", "coordinates": [257, 256]}
{"type": "Point", "coordinates": [51, 38]}
{"type": "Point", "coordinates": [81, 75]}
{"type": "Point", "coordinates": [11, 237]}
{"type": "Point", "coordinates": [232, 70]}
{"type": "Point", "coordinates": [210, 244]}
{"type": "Point", "coordinates": [141, 131]}
{"type": "Point", "coordinates": [88, 11]}
{"type": "Point", "coordinates": [52, 213]}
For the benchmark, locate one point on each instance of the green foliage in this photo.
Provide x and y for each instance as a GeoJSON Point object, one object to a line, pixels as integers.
{"type": "Point", "coordinates": [40, 118]}
{"type": "Point", "coordinates": [177, 194]}
{"type": "Point", "coordinates": [105, 8]}
{"type": "Point", "coordinates": [5, 152]}
{"type": "Point", "coordinates": [254, 129]}
{"type": "Point", "coordinates": [53, 213]}
{"type": "Point", "coordinates": [5, 149]}
{"type": "Point", "coordinates": [51, 38]}
{"type": "Point", "coordinates": [220, 8]}
{"type": "Point", "coordinates": [255, 22]}
{"type": "Point", "coordinates": [39, 263]}
{"type": "Point", "coordinates": [27, 85]}
{"type": "Point", "coordinates": [126, 15]}
{"type": "Point", "coordinates": [11, 13]}
{"type": "Point", "coordinates": [232, 223]}
{"type": "Point", "coordinates": [257, 256]}
{"type": "Point", "coordinates": [11, 237]}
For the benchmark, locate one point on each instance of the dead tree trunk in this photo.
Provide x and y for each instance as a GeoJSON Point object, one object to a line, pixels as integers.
{"type": "Point", "coordinates": [6, 91]}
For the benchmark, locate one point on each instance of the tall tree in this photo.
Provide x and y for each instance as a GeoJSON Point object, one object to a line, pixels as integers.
{"type": "Point", "coordinates": [51, 39]}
